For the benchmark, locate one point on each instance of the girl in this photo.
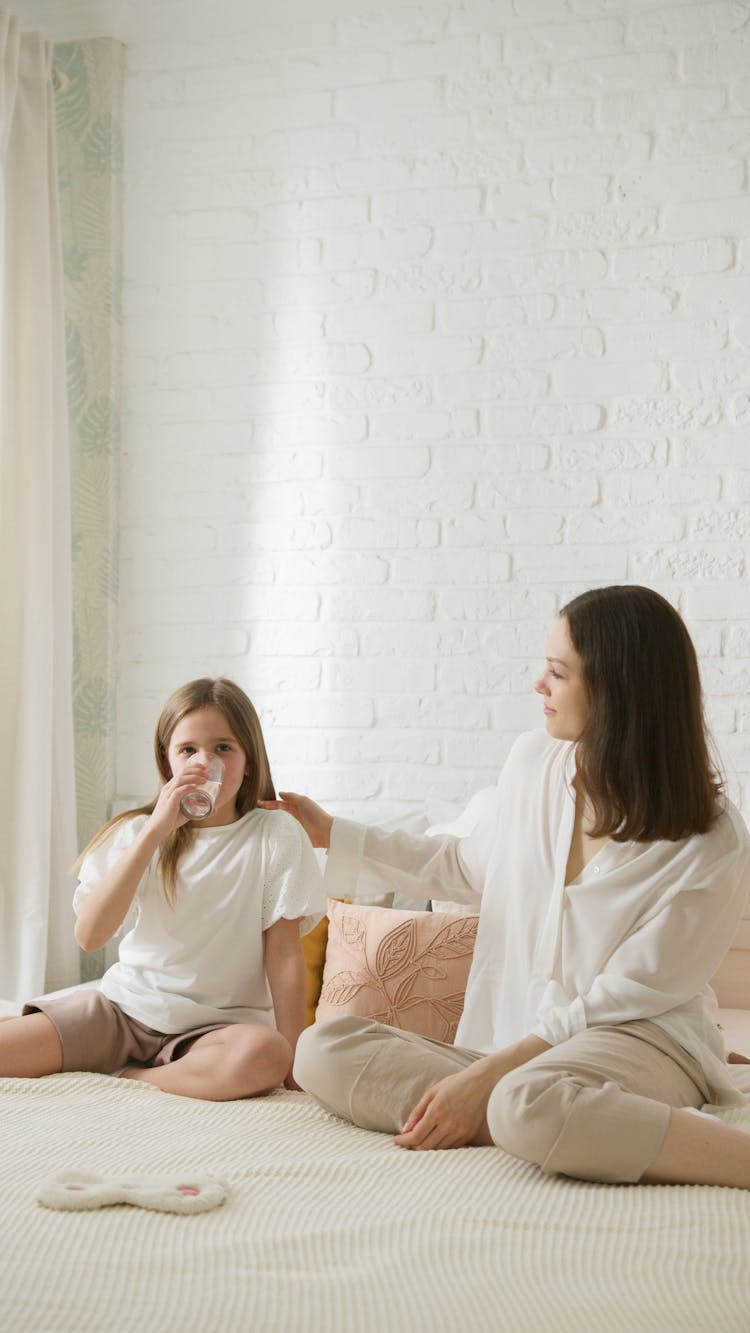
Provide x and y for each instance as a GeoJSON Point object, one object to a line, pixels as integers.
{"type": "Point", "coordinates": [208, 997]}
{"type": "Point", "coordinates": [613, 873]}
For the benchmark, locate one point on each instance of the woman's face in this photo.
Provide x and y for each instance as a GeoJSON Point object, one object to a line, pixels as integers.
{"type": "Point", "coordinates": [561, 686]}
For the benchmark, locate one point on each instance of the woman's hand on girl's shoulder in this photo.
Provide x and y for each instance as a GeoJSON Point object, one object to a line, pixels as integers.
{"type": "Point", "coordinates": [314, 819]}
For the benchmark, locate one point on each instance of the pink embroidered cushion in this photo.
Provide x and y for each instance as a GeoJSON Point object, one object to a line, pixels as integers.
{"type": "Point", "coordinates": [407, 969]}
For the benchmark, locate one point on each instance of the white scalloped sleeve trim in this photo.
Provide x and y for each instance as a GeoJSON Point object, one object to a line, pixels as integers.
{"type": "Point", "coordinates": [293, 884]}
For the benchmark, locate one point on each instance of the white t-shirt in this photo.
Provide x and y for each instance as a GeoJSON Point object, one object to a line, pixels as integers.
{"type": "Point", "coordinates": [200, 961]}
{"type": "Point", "coordinates": [635, 936]}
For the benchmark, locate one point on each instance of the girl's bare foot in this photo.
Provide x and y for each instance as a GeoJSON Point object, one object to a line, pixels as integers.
{"type": "Point", "coordinates": [136, 1073]}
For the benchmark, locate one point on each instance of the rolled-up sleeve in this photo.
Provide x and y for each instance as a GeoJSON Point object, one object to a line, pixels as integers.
{"type": "Point", "coordinates": [364, 861]}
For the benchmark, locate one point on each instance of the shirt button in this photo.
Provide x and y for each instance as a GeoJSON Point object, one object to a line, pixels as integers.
{"type": "Point", "coordinates": [596, 870]}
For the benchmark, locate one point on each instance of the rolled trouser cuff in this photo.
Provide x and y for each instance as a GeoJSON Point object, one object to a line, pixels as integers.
{"type": "Point", "coordinates": [596, 1107]}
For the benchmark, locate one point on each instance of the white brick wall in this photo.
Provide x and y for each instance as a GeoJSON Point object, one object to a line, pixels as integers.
{"type": "Point", "coordinates": [436, 313]}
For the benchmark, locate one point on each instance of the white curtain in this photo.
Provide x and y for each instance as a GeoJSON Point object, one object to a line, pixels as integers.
{"type": "Point", "coordinates": [37, 796]}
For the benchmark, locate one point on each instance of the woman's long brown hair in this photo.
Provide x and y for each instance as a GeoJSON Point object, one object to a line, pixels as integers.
{"type": "Point", "coordinates": [257, 785]}
{"type": "Point", "coordinates": [643, 756]}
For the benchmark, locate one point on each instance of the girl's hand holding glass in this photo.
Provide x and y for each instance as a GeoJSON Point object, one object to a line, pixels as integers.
{"type": "Point", "coordinates": [200, 801]}
{"type": "Point", "coordinates": [174, 802]}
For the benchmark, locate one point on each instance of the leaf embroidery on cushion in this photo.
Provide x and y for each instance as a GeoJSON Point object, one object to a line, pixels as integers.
{"type": "Point", "coordinates": [384, 1016]}
{"type": "Point", "coordinates": [454, 940]}
{"type": "Point", "coordinates": [343, 987]}
{"type": "Point", "coordinates": [405, 978]}
{"type": "Point", "coordinates": [396, 949]}
{"type": "Point", "coordinates": [352, 929]}
{"type": "Point", "coordinates": [450, 1006]}
{"type": "Point", "coordinates": [433, 973]}
{"type": "Point", "coordinates": [404, 989]}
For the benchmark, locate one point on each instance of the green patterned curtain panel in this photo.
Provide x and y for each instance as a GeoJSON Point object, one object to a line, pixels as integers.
{"type": "Point", "coordinates": [89, 86]}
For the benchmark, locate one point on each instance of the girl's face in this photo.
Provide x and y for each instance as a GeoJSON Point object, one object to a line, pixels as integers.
{"type": "Point", "coordinates": [562, 688]}
{"type": "Point", "coordinates": [202, 733]}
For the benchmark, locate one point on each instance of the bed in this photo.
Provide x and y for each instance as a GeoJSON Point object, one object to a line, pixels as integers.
{"type": "Point", "coordinates": [328, 1227]}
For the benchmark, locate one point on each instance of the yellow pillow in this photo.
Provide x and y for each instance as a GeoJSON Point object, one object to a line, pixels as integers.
{"type": "Point", "coordinates": [314, 950]}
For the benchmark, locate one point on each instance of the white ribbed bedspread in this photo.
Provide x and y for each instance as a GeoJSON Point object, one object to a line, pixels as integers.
{"type": "Point", "coordinates": [331, 1228]}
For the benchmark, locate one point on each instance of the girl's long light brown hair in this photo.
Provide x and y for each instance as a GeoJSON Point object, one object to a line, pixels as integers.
{"type": "Point", "coordinates": [643, 756]}
{"type": "Point", "coordinates": [257, 785]}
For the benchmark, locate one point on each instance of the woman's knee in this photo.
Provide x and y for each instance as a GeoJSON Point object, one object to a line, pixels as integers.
{"type": "Point", "coordinates": [322, 1052]}
{"type": "Point", "coordinates": [526, 1112]}
{"type": "Point", "coordinates": [328, 1060]}
{"type": "Point", "coordinates": [306, 1058]}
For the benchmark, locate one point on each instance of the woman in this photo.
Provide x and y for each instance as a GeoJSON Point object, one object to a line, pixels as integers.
{"type": "Point", "coordinates": [612, 873]}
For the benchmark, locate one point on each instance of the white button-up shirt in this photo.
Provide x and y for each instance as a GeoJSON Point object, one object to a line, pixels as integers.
{"type": "Point", "coordinates": [637, 935]}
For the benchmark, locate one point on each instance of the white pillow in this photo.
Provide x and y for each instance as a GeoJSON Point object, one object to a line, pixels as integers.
{"type": "Point", "coordinates": [465, 821]}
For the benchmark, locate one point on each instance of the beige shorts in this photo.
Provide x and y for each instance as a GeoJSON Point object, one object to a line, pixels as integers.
{"type": "Point", "coordinates": [98, 1037]}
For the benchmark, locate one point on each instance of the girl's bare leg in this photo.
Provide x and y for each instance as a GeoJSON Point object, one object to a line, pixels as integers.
{"type": "Point", "coordinates": [234, 1062]}
{"type": "Point", "coordinates": [29, 1047]}
{"type": "Point", "coordinates": [699, 1150]}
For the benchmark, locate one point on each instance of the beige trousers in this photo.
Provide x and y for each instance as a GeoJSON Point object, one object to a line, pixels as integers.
{"type": "Point", "coordinates": [595, 1107]}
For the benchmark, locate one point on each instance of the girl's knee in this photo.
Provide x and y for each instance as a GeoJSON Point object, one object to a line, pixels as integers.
{"type": "Point", "coordinates": [277, 1057]}
{"type": "Point", "coordinates": [254, 1053]}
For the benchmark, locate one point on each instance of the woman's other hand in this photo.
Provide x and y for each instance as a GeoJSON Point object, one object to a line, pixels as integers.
{"type": "Point", "coordinates": [314, 819]}
{"type": "Point", "coordinates": [452, 1114]}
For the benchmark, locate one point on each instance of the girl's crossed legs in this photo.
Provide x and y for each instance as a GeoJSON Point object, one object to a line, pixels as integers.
{"type": "Point", "coordinates": [225, 1064]}
{"type": "Point", "coordinates": [86, 1031]}
{"type": "Point", "coordinates": [611, 1104]}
